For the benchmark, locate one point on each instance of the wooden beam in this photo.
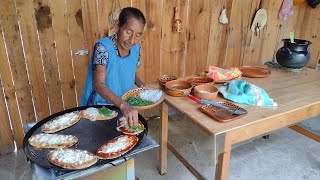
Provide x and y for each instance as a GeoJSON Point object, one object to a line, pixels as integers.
{"type": "Point", "coordinates": [305, 132]}
{"type": "Point", "coordinates": [185, 162]}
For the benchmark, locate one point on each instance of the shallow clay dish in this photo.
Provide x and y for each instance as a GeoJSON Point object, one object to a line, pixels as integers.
{"type": "Point", "coordinates": [254, 72]}
{"type": "Point", "coordinates": [205, 91]}
{"type": "Point", "coordinates": [178, 88]}
{"type": "Point", "coordinates": [211, 110]}
{"type": "Point", "coordinates": [165, 78]}
{"type": "Point", "coordinates": [199, 80]}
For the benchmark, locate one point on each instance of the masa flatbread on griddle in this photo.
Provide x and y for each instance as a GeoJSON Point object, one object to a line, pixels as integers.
{"type": "Point", "coordinates": [43, 140]}
{"type": "Point", "coordinates": [124, 127]}
{"type": "Point", "coordinates": [72, 158]}
{"type": "Point", "coordinates": [102, 113]}
{"type": "Point", "coordinates": [61, 122]}
{"type": "Point", "coordinates": [117, 147]}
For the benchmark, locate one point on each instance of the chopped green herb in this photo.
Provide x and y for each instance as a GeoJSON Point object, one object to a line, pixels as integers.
{"type": "Point", "coordinates": [135, 128]}
{"type": "Point", "coordinates": [136, 101]}
{"type": "Point", "coordinates": [105, 111]}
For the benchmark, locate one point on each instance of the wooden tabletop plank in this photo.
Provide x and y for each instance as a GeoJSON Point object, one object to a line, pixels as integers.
{"type": "Point", "coordinates": [292, 91]}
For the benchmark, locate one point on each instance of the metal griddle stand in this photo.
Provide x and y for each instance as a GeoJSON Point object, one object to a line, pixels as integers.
{"type": "Point", "coordinates": [122, 168]}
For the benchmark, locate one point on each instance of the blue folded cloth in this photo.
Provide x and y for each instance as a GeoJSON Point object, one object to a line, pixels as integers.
{"type": "Point", "coordinates": [241, 91]}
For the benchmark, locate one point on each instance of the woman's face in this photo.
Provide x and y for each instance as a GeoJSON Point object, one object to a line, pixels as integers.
{"type": "Point", "coordinates": [130, 33]}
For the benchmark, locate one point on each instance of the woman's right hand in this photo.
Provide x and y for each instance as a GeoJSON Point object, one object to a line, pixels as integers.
{"type": "Point", "coordinates": [130, 113]}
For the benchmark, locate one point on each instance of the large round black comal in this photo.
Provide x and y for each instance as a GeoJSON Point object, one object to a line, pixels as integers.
{"type": "Point", "coordinates": [91, 135]}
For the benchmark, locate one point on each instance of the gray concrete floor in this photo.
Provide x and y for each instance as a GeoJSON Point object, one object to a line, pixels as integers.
{"type": "Point", "coordinates": [286, 155]}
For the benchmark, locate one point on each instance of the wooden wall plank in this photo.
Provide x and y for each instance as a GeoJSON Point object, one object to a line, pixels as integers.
{"type": "Point", "coordinates": [218, 34]}
{"type": "Point", "coordinates": [252, 41]}
{"type": "Point", "coordinates": [309, 30]}
{"type": "Point", "coordinates": [43, 16]}
{"type": "Point", "coordinates": [9, 91]}
{"type": "Point", "coordinates": [6, 134]}
{"type": "Point", "coordinates": [198, 30]}
{"type": "Point", "coordinates": [64, 59]}
{"type": "Point", "coordinates": [90, 23]}
{"type": "Point", "coordinates": [105, 7]}
{"type": "Point", "coordinates": [10, 28]}
{"type": "Point", "coordinates": [151, 40]}
{"type": "Point", "coordinates": [77, 40]}
{"type": "Point", "coordinates": [173, 44]}
{"type": "Point", "coordinates": [237, 37]}
{"type": "Point", "coordinates": [270, 35]}
{"type": "Point", "coordinates": [33, 57]}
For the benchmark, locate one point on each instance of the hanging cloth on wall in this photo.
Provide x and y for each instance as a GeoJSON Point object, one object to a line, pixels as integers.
{"type": "Point", "coordinates": [286, 10]}
{"type": "Point", "coordinates": [113, 17]}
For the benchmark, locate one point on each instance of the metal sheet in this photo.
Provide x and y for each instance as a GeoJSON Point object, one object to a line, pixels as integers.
{"type": "Point", "coordinates": [91, 135]}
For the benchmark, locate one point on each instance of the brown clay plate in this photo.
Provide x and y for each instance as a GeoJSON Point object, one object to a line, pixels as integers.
{"type": "Point", "coordinates": [211, 111]}
{"type": "Point", "coordinates": [199, 80]}
{"type": "Point", "coordinates": [254, 72]}
{"type": "Point", "coordinates": [135, 92]}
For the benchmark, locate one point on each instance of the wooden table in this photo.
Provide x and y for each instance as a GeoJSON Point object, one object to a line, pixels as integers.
{"type": "Point", "coordinates": [298, 98]}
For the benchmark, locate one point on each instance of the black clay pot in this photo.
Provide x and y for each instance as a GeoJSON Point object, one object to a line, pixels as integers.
{"type": "Point", "coordinates": [294, 55]}
{"type": "Point", "coordinates": [313, 3]}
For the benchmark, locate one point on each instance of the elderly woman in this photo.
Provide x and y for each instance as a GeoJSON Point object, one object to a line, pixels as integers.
{"type": "Point", "coordinates": [112, 69]}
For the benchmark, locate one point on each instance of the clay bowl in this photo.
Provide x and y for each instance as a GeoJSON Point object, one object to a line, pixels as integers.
{"type": "Point", "coordinates": [205, 91]}
{"type": "Point", "coordinates": [165, 78]}
{"type": "Point", "coordinates": [199, 80]}
{"type": "Point", "coordinates": [178, 88]}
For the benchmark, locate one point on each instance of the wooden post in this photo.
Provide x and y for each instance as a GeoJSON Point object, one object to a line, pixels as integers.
{"type": "Point", "coordinates": [163, 138]}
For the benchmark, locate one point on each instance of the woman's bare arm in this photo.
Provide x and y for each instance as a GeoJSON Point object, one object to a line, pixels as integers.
{"type": "Point", "coordinates": [138, 82]}
{"type": "Point", "coordinates": [100, 87]}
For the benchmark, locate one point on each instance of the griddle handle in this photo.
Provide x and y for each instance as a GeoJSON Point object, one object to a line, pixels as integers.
{"type": "Point", "coordinates": [112, 164]}
{"type": "Point", "coordinates": [125, 159]}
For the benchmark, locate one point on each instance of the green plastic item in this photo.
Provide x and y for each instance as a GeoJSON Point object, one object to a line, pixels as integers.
{"type": "Point", "coordinates": [291, 37]}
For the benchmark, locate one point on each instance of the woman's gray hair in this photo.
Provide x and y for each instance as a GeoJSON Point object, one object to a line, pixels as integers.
{"type": "Point", "coordinates": [129, 12]}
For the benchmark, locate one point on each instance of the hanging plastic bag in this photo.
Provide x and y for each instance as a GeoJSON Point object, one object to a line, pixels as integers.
{"type": "Point", "coordinates": [113, 17]}
{"type": "Point", "coordinates": [223, 19]}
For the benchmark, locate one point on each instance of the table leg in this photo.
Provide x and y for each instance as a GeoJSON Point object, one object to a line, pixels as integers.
{"type": "Point", "coordinates": [163, 138]}
{"type": "Point", "coordinates": [222, 166]}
